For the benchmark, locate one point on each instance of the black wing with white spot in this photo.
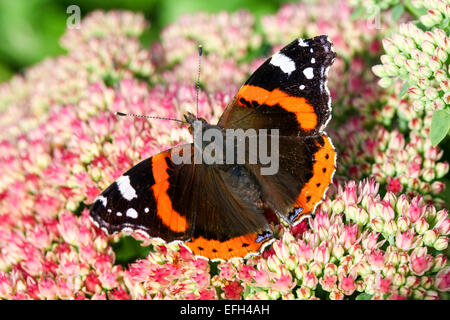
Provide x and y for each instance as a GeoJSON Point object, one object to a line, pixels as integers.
{"type": "Point", "coordinates": [287, 92]}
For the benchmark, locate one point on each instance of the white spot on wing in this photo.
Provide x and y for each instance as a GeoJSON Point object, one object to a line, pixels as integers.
{"type": "Point", "coordinates": [302, 86]}
{"type": "Point", "coordinates": [125, 188]}
{"type": "Point", "coordinates": [119, 214]}
{"type": "Point", "coordinates": [132, 213]}
{"type": "Point", "coordinates": [146, 210]}
{"type": "Point", "coordinates": [103, 200]}
{"type": "Point", "coordinates": [302, 43]}
{"type": "Point", "coordinates": [283, 62]}
{"type": "Point", "coordinates": [309, 73]}
{"type": "Point", "coordinates": [313, 60]}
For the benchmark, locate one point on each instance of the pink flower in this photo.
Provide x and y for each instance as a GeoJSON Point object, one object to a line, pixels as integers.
{"type": "Point", "coordinates": [310, 280]}
{"type": "Point", "coordinates": [349, 236]}
{"type": "Point", "coordinates": [233, 290]}
{"type": "Point", "coordinates": [376, 259]}
{"type": "Point", "coordinates": [48, 289]}
{"type": "Point", "coordinates": [328, 282]}
{"type": "Point", "coordinates": [5, 286]}
{"type": "Point", "coordinates": [394, 185]}
{"type": "Point", "coordinates": [92, 283]}
{"type": "Point", "coordinates": [305, 252]}
{"type": "Point", "coordinates": [420, 261]}
{"type": "Point", "coordinates": [383, 285]}
{"type": "Point", "coordinates": [404, 240]}
{"type": "Point", "coordinates": [118, 294]}
{"type": "Point", "coordinates": [347, 285]}
{"type": "Point", "coordinates": [443, 279]}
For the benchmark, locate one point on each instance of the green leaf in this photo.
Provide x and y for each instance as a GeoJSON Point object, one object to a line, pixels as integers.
{"type": "Point", "coordinates": [358, 13]}
{"type": "Point", "coordinates": [364, 296]}
{"type": "Point", "coordinates": [397, 11]}
{"type": "Point", "coordinates": [440, 126]}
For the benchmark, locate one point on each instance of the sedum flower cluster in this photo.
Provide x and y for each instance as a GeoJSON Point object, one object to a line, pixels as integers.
{"type": "Point", "coordinates": [417, 54]}
{"type": "Point", "coordinates": [385, 237]}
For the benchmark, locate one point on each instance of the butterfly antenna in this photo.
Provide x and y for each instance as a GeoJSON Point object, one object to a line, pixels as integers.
{"type": "Point", "coordinates": [121, 114]}
{"type": "Point", "coordinates": [200, 52]}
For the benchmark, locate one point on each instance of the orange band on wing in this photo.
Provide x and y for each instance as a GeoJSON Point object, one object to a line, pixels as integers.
{"type": "Point", "coordinates": [168, 215]}
{"type": "Point", "coordinates": [234, 247]}
{"type": "Point", "coordinates": [306, 116]}
{"type": "Point", "coordinates": [323, 170]}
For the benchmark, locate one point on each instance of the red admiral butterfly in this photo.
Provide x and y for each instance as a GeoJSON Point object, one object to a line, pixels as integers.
{"type": "Point", "coordinates": [217, 210]}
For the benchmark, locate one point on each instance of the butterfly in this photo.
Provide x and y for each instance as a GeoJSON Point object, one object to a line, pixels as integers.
{"type": "Point", "coordinates": [217, 210]}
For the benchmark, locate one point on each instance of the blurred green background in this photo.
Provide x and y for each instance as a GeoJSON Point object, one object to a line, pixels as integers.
{"type": "Point", "coordinates": [30, 29]}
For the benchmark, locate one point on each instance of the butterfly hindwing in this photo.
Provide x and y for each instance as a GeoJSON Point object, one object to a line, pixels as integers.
{"type": "Point", "coordinates": [306, 168]}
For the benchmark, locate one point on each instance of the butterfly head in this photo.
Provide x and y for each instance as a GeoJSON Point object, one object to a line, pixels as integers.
{"type": "Point", "coordinates": [190, 118]}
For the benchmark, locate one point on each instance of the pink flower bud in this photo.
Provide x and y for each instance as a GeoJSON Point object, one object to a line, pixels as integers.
{"type": "Point", "coordinates": [379, 70]}
{"type": "Point", "coordinates": [394, 258]}
{"type": "Point", "coordinates": [338, 251]}
{"type": "Point", "coordinates": [421, 226]}
{"type": "Point", "coordinates": [330, 269]}
{"type": "Point", "coordinates": [443, 227]}
{"type": "Point", "coordinates": [441, 243]}
{"type": "Point", "coordinates": [402, 204]}
{"type": "Point", "coordinates": [428, 47]}
{"type": "Point", "coordinates": [431, 295]}
{"type": "Point", "coordinates": [437, 187]}
{"type": "Point", "coordinates": [336, 294]}
{"type": "Point", "coordinates": [316, 267]}
{"type": "Point", "coordinates": [445, 85]}
{"type": "Point", "coordinates": [376, 259]}
{"type": "Point", "coordinates": [426, 282]}
{"type": "Point", "coordinates": [431, 18]}
{"type": "Point", "coordinates": [441, 54]}
{"type": "Point", "coordinates": [404, 240]}
{"type": "Point", "coordinates": [390, 47]}
{"type": "Point", "coordinates": [305, 253]}
{"type": "Point", "coordinates": [434, 64]}
{"type": "Point", "coordinates": [430, 237]}
{"type": "Point", "coordinates": [310, 280]}
{"type": "Point", "coordinates": [48, 289]}
{"type": "Point", "coordinates": [411, 65]}
{"type": "Point", "coordinates": [390, 227]}
{"type": "Point", "coordinates": [349, 236]}
{"type": "Point", "coordinates": [377, 224]}
{"type": "Point", "coordinates": [443, 280]}
{"type": "Point", "coordinates": [274, 264]}
{"type": "Point", "coordinates": [440, 261]}
{"type": "Point", "coordinates": [303, 293]}
{"type": "Point", "coordinates": [403, 224]}
{"type": "Point", "coordinates": [6, 287]}
{"type": "Point", "coordinates": [431, 93]}
{"type": "Point", "coordinates": [385, 82]}
{"type": "Point", "coordinates": [300, 271]}
{"type": "Point", "coordinates": [347, 285]}
{"type": "Point", "coordinates": [387, 212]}
{"type": "Point", "coordinates": [338, 205]}
{"type": "Point", "coordinates": [369, 242]}
{"type": "Point", "coordinates": [415, 93]}
{"type": "Point", "coordinates": [328, 282]}
{"type": "Point", "coordinates": [383, 285]}
{"type": "Point", "coordinates": [399, 60]}
{"type": "Point", "coordinates": [419, 261]}
{"type": "Point", "coordinates": [322, 253]}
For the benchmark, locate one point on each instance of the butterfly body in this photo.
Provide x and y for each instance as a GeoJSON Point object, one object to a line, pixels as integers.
{"type": "Point", "coordinates": [217, 208]}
